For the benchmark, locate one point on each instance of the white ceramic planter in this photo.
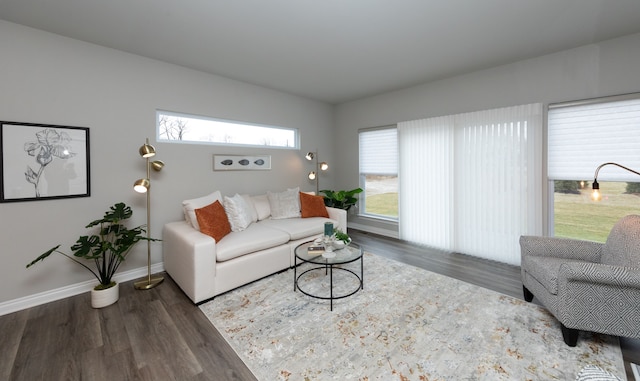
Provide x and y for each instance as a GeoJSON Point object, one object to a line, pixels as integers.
{"type": "Point", "coordinates": [106, 297]}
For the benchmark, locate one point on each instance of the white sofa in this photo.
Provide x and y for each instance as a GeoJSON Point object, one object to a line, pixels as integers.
{"type": "Point", "coordinates": [204, 268]}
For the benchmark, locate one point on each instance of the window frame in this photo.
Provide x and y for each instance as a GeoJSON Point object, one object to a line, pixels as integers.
{"type": "Point", "coordinates": [237, 123]}
{"type": "Point", "coordinates": [551, 194]}
{"type": "Point", "coordinates": [362, 178]}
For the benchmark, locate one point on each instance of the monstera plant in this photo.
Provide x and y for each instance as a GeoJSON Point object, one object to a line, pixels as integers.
{"type": "Point", "coordinates": [107, 248]}
{"type": "Point", "coordinates": [341, 199]}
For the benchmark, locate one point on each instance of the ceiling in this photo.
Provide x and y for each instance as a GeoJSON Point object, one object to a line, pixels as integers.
{"type": "Point", "coordinates": [333, 50]}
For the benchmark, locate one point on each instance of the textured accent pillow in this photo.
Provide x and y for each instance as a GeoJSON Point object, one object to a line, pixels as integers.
{"type": "Point", "coordinates": [189, 207]}
{"type": "Point", "coordinates": [252, 208]}
{"type": "Point", "coordinates": [285, 204]}
{"type": "Point", "coordinates": [213, 220]}
{"type": "Point", "coordinates": [261, 203]}
{"type": "Point", "coordinates": [595, 373]}
{"type": "Point", "coordinates": [238, 212]}
{"type": "Point", "coordinates": [312, 206]}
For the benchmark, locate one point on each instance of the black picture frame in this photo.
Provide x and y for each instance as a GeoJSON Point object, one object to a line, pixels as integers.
{"type": "Point", "coordinates": [43, 162]}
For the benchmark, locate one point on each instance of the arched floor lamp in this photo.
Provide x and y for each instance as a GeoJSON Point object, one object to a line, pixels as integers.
{"type": "Point", "coordinates": [595, 195]}
{"type": "Point", "coordinates": [144, 186]}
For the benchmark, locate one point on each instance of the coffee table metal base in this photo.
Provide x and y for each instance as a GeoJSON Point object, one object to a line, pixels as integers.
{"type": "Point", "coordinates": [328, 269]}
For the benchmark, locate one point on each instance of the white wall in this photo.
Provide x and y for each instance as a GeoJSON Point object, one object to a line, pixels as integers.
{"type": "Point", "coordinates": [607, 68]}
{"type": "Point", "coordinates": [50, 79]}
{"type": "Point", "coordinates": [54, 80]}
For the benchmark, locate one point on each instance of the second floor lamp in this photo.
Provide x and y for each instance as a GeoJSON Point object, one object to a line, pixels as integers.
{"type": "Point", "coordinates": [320, 166]}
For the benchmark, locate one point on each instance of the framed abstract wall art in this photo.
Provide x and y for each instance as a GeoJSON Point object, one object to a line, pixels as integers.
{"type": "Point", "coordinates": [241, 162]}
{"type": "Point", "coordinates": [43, 161]}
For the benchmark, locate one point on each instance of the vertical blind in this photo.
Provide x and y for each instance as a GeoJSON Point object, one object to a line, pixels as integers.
{"type": "Point", "coordinates": [426, 181]}
{"type": "Point", "coordinates": [471, 183]}
{"type": "Point", "coordinates": [583, 135]}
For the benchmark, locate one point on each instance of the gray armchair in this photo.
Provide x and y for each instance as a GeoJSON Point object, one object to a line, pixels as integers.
{"type": "Point", "coordinates": [587, 286]}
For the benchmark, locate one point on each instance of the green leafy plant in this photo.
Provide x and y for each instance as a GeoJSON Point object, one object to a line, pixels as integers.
{"type": "Point", "coordinates": [341, 236]}
{"type": "Point", "coordinates": [341, 199]}
{"type": "Point", "coordinates": [107, 248]}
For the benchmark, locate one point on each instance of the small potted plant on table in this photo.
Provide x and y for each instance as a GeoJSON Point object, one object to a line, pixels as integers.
{"type": "Point", "coordinates": [341, 239]}
{"type": "Point", "coordinates": [107, 248]}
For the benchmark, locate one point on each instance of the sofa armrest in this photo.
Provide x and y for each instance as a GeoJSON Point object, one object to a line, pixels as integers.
{"type": "Point", "coordinates": [339, 215]}
{"type": "Point", "coordinates": [190, 259]}
{"type": "Point", "coordinates": [560, 248]}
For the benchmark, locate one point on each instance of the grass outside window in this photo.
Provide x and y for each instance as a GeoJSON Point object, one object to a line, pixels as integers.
{"type": "Point", "coordinates": [381, 195]}
{"type": "Point", "coordinates": [577, 216]}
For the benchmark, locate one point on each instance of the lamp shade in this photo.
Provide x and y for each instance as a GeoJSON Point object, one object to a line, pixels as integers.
{"type": "Point", "coordinates": [312, 175]}
{"type": "Point", "coordinates": [157, 165]}
{"type": "Point", "coordinates": [142, 185]}
{"type": "Point", "coordinates": [309, 155]}
{"type": "Point", "coordinates": [147, 150]}
{"type": "Point", "coordinates": [324, 166]}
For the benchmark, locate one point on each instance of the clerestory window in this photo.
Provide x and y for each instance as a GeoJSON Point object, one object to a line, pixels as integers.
{"type": "Point", "coordinates": [184, 128]}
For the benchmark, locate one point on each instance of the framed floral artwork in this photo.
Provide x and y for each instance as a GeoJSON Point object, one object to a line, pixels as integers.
{"type": "Point", "coordinates": [43, 161]}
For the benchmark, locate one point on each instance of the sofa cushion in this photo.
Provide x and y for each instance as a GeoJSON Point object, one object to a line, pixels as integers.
{"type": "Point", "coordinates": [189, 206]}
{"type": "Point", "coordinates": [213, 220]}
{"type": "Point", "coordinates": [254, 238]}
{"type": "Point", "coordinates": [298, 228]}
{"type": "Point", "coordinates": [285, 204]}
{"type": "Point", "coordinates": [312, 206]}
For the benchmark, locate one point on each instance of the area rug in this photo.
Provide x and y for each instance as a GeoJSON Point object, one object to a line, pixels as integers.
{"type": "Point", "coordinates": [406, 324]}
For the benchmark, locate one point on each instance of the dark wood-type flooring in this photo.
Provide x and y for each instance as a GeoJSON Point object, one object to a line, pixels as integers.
{"type": "Point", "coordinates": [160, 335]}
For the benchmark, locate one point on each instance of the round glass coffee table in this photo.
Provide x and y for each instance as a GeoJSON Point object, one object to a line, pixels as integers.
{"type": "Point", "coordinates": [328, 262]}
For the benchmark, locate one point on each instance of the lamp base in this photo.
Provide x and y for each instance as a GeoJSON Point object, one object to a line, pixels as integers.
{"type": "Point", "coordinates": [148, 284]}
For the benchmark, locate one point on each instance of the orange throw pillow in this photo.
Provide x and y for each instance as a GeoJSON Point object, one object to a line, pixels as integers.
{"type": "Point", "coordinates": [312, 206]}
{"type": "Point", "coordinates": [213, 221]}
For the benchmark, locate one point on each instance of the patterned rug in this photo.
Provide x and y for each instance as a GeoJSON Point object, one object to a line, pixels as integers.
{"type": "Point", "coordinates": [407, 324]}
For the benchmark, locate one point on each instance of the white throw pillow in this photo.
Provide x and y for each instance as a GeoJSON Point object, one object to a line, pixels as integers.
{"type": "Point", "coordinates": [285, 204]}
{"type": "Point", "coordinates": [252, 208]}
{"type": "Point", "coordinates": [261, 204]}
{"type": "Point", "coordinates": [189, 206]}
{"type": "Point", "coordinates": [296, 190]}
{"type": "Point", "coordinates": [238, 212]}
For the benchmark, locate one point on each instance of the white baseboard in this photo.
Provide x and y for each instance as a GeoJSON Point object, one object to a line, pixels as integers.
{"type": "Point", "coordinates": [71, 290]}
{"type": "Point", "coordinates": [373, 229]}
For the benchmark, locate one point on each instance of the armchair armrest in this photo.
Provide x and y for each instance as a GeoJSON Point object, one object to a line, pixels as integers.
{"type": "Point", "coordinates": [560, 248]}
{"type": "Point", "coordinates": [339, 215]}
{"type": "Point", "coordinates": [600, 274]}
{"type": "Point", "coordinates": [601, 298]}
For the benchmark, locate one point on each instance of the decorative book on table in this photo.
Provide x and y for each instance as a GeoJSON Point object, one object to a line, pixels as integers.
{"type": "Point", "coordinates": [315, 249]}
